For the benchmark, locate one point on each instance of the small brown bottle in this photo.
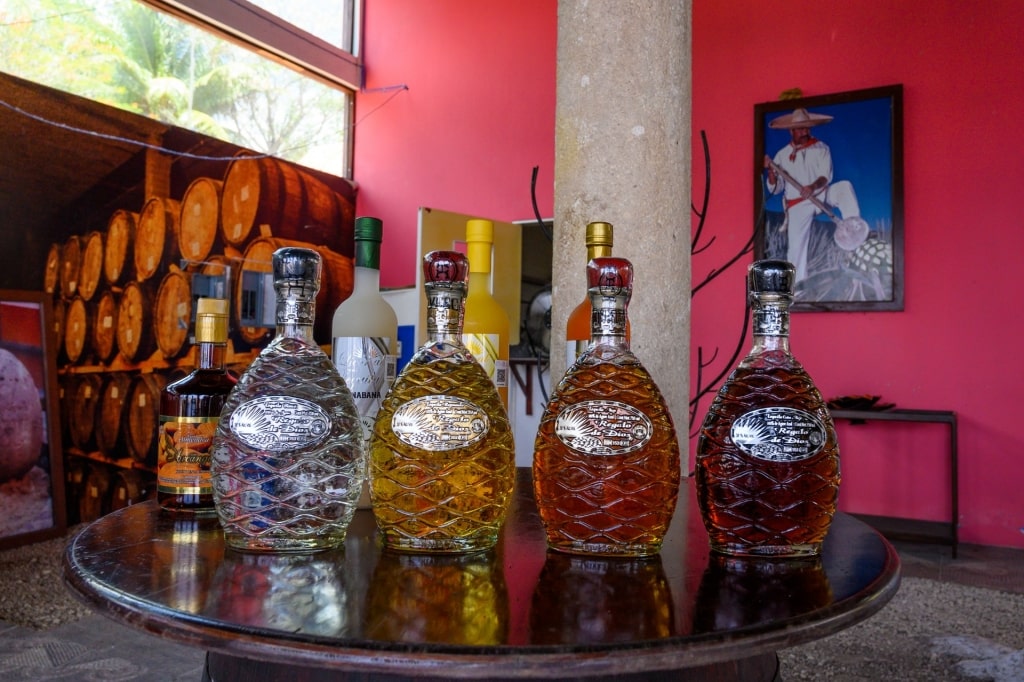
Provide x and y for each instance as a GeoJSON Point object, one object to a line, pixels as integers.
{"type": "Point", "coordinates": [189, 412]}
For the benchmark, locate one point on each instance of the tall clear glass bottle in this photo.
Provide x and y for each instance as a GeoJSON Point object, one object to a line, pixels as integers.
{"type": "Point", "coordinates": [189, 412]}
{"type": "Point", "coordinates": [606, 465]}
{"type": "Point", "coordinates": [288, 463]}
{"type": "Point", "coordinates": [485, 329]}
{"type": "Point", "coordinates": [767, 457]}
{"type": "Point", "coordinates": [442, 456]}
{"type": "Point", "coordinates": [365, 333]}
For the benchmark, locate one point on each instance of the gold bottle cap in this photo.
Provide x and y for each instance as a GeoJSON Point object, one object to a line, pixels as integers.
{"type": "Point", "coordinates": [599, 234]}
{"type": "Point", "coordinates": [211, 320]}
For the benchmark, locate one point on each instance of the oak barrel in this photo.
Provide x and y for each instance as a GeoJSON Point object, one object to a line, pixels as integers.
{"type": "Point", "coordinates": [144, 417]}
{"type": "Point", "coordinates": [70, 266]}
{"type": "Point", "coordinates": [263, 196]}
{"type": "Point", "coordinates": [95, 500]}
{"type": "Point", "coordinates": [156, 236]}
{"type": "Point", "coordinates": [135, 322]}
{"type": "Point", "coordinates": [103, 326]}
{"type": "Point", "coordinates": [173, 313]}
{"type": "Point", "coordinates": [91, 273]}
{"type": "Point", "coordinates": [335, 286]}
{"type": "Point", "coordinates": [128, 487]}
{"type": "Point", "coordinates": [51, 273]}
{"type": "Point", "coordinates": [82, 404]}
{"type": "Point", "coordinates": [112, 413]}
{"type": "Point", "coordinates": [119, 248]}
{"type": "Point", "coordinates": [77, 339]}
{"type": "Point", "coordinates": [199, 224]}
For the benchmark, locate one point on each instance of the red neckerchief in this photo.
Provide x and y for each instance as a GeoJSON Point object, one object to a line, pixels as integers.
{"type": "Point", "coordinates": [810, 141]}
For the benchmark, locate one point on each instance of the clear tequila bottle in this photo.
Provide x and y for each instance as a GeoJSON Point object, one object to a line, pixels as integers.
{"type": "Point", "coordinates": [288, 460]}
{"type": "Point", "coordinates": [606, 457]}
{"type": "Point", "coordinates": [767, 456]}
{"type": "Point", "coordinates": [442, 456]}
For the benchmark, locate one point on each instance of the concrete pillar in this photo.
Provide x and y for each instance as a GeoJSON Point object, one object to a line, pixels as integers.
{"type": "Point", "coordinates": [622, 155]}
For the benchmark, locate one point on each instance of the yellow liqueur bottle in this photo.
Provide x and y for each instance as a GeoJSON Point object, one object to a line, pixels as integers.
{"type": "Point", "coordinates": [486, 327]}
{"type": "Point", "coordinates": [606, 465]}
{"type": "Point", "coordinates": [442, 456]}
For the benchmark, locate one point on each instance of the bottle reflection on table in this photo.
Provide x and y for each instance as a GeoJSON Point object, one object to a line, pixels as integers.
{"type": "Point", "coordinates": [596, 600]}
{"type": "Point", "coordinates": [292, 592]}
{"type": "Point", "coordinates": [449, 598]}
{"type": "Point", "coordinates": [738, 592]}
{"type": "Point", "coordinates": [189, 560]}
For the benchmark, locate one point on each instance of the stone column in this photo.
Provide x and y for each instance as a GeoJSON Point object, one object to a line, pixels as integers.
{"type": "Point", "coordinates": [622, 155]}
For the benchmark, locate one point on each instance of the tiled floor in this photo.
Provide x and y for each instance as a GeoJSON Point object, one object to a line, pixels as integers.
{"type": "Point", "coordinates": [978, 566]}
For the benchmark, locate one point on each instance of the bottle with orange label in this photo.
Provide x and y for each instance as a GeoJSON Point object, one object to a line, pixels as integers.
{"type": "Point", "coordinates": [485, 330]}
{"type": "Point", "coordinates": [189, 412]}
{"type": "Point", "coordinates": [577, 330]}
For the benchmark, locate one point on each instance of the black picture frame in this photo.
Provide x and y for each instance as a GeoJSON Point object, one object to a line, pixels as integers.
{"type": "Point", "coordinates": [851, 262]}
{"type": "Point", "coordinates": [32, 506]}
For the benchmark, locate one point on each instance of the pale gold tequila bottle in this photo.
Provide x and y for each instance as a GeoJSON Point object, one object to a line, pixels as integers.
{"type": "Point", "coordinates": [442, 457]}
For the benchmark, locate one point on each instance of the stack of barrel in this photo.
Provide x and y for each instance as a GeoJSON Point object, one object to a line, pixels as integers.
{"type": "Point", "coordinates": [123, 306]}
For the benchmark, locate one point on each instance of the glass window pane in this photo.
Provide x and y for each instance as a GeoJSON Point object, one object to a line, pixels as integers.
{"type": "Point", "coordinates": [329, 20]}
{"type": "Point", "coordinates": [123, 53]}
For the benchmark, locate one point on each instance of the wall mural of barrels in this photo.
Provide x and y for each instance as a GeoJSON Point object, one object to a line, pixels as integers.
{"type": "Point", "coordinates": [124, 300]}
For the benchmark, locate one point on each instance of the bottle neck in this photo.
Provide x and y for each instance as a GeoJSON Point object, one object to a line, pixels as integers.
{"type": "Point", "coordinates": [770, 324]}
{"type": "Point", "coordinates": [295, 318]}
{"type": "Point", "coordinates": [367, 254]}
{"type": "Point", "coordinates": [212, 355]}
{"type": "Point", "coordinates": [366, 279]}
{"type": "Point", "coordinates": [598, 251]}
{"type": "Point", "coordinates": [445, 311]}
{"type": "Point", "coordinates": [608, 319]}
{"type": "Point", "coordinates": [479, 283]}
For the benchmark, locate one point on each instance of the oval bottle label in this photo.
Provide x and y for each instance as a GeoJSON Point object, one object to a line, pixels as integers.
{"type": "Point", "coordinates": [439, 423]}
{"type": "Point", "coordinates": [279, 423]}
{"type": "Point", "coordinates": [603, 427]}
{"type": "Point", "coordinates": [778, 434]}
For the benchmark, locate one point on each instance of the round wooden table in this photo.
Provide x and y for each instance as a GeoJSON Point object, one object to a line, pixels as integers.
{"type": "Point", "coordinates": [516, 612]}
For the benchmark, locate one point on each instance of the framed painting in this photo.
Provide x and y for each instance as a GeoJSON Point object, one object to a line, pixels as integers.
{"type": "Point", "coordinates": [828, 196]}
{"type": "Point", "coordinates": [31, 456]}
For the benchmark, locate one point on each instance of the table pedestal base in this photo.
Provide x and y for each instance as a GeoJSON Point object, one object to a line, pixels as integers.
{"type": "Point", "coordinates": [225, 668]}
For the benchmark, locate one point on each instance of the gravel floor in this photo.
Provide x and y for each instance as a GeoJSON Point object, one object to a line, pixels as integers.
{"type": "Point", "coordinates": [32, 592]}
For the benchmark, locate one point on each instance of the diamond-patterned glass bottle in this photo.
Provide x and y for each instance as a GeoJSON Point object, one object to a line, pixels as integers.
{"type": "Point", "coordinates": [442, 457]}
{"type": "Point", "coordinates": [767, 456]}
{"type": "Point", "coordinates": [288, 453]}
{"type": "Point", "coordinates": [606, 457]}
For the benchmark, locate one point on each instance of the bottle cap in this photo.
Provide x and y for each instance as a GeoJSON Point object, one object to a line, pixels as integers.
{"type": "Point", "coordinates": [479, 231]}
{"type": "Point", "coordinates": [446, 270]}
{"type": "Point", "coordinates": [211, 320]}
{"type": "Point", "coordinates": [297, 270]}
{"type": "Point", "coordinates": [610, 276]}
{"type": "Point", "coordinates": [369, 229]}
{"type": "Point", "coordinates": [771, 277]}
{"type": "Point", "coordinates": [599, 234]}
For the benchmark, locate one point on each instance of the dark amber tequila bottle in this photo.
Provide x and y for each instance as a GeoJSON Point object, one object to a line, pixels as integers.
{"type": "Point", "coordinates": [189, 413]}
{"type": "Point", "coordinates": [606, 457]}
{"type": "Point", "coordinates": [767, 456]}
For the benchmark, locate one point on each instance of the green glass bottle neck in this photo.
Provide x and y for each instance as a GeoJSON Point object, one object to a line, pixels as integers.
{"type": "Point", "coordinates": [367, 254]}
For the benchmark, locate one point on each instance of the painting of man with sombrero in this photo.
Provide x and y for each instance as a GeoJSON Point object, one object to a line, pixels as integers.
{"type": "Point", "coordinates": [828, 196]}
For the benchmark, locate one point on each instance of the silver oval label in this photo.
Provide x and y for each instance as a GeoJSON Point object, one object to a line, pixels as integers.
{"type": "Point", "coordinates": [279, 423]}
{"type": "Point", "coordinates": [603, 427]}
{"type": "Point", "coordinates": [439, 423]}
{"type": "Point", "coordinates": [779, 434]}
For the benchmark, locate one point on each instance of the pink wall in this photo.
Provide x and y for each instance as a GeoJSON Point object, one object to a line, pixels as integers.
{"type": "Point", "coordinates": [479, 113]}
{"type": "Point", "coordinates": [477, 117]}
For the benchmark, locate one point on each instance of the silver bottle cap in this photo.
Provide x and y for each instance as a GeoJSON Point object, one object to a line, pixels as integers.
{"type": "Point", "coordinates": [771, 277]}
{"type": "Point", "coordinates": [297, 272]}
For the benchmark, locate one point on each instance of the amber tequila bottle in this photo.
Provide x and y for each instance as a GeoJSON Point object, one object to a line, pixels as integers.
{"type": "Point", "coordinates": [606, 457]}
{"type": "Point", "coordinates": [767, 456]}
{"type": "Point", "coordinates": [442, 457]}
{"type": "Point", "coordinates": [189, 412]}
{"type": "Point", "coordinates": [288, 463]}
{"type": "Point", "coordinates": [485, 329]}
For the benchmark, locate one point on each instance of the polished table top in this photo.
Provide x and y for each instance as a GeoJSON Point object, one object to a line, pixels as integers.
{"type": "Point", "coordinates": [519, 610]}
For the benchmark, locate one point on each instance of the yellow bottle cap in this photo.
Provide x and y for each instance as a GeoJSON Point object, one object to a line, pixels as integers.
{"type": "Point", "coordinates": [599, 234]}
{"type": "Point", "coordinates": [211, 320]}
{"type": "Point", "coordinates": [479, 238]}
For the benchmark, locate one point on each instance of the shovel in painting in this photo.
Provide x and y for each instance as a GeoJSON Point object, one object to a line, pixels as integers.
{"type": "Point", "coordinates": [850, 232]}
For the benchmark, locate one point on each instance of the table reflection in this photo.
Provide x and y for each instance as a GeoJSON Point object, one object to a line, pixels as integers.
{"type": "Point", "coordinates": [591, 600]}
